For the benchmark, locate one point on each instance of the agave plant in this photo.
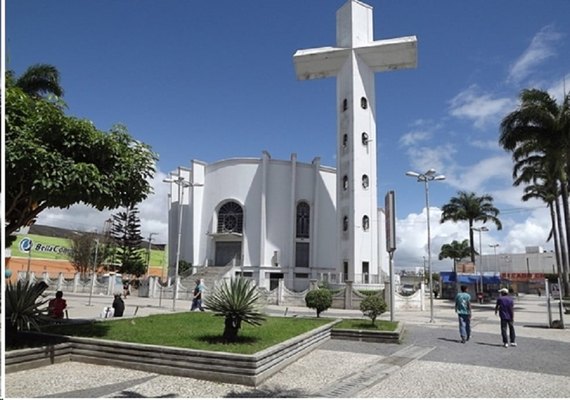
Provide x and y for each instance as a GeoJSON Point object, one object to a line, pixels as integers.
{"type": "Point", "coordinates": [23, 309]}
{"type": "Point", "coordinates": [238, 301]}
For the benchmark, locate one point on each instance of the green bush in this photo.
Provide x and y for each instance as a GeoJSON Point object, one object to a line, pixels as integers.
{"type": "Point", "coordinates": [372, 307]}
{"type": "Point", "coordinates": [319, 299]}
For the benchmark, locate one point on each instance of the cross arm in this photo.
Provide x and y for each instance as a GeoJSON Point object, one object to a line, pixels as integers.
{"type": "Point", "coordinates": [318, 63]}
{"type": "Point", "coordinates": [390, 54]}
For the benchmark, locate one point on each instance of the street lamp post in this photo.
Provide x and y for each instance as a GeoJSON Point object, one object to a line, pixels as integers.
{"type": "Point", "coordinates": [481, 229]}
{"type": "Point", "coordinates": [425, 178]}
{"type": "Point", "coordinates": [182, 184]}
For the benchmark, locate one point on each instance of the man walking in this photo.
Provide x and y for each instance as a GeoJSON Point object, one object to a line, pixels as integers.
{"type": "Point", "coordinates": [197, 299]}
{"type": "Point", "coordinates": [463, 310]}
{"type": "Point", "coordinates": [505, 308]}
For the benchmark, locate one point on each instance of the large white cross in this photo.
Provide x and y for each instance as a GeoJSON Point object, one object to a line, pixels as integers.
{"type": "Point", "coordinates": [354, 61]}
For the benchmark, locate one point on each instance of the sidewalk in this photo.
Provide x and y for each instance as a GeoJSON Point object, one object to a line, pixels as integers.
{"type": "Point", "coordinates": [430, 363]}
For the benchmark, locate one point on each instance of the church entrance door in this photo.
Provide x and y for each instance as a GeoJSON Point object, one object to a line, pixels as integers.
{"type": "Point", "coordinates": [226, 252]}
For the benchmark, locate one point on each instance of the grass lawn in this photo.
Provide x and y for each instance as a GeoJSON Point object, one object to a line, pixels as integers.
{"type": "Point", "coordinates": [201, 331]}
{"type": "Point", "coordinates": [367, 324]}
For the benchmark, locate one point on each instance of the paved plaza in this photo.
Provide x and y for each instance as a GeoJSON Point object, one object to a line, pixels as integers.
{"type": "Point", "coordinates": [431, 361]}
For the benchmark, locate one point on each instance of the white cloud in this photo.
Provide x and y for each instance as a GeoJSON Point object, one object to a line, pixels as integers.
{"type": "Point", "coordinates": [414, 137]}
{"type": "Point", "coordinates": [424, 158]}
{"type": "Point", "coordinates": [540, 49]}
{"type": "Point", "coordinates": [481, 108]}
{"type": "Point", "coordinates": [152, 213]}
{"type": "Point", "coordinates": [556, 90]}
{"type": "Point", "coordinates": [515, 236]}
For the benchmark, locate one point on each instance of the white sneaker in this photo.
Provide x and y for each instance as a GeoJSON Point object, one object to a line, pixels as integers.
{"type": "Point", "coordinates": [506, 345]}
{"type": "Point", "coordinates": [513, 344]}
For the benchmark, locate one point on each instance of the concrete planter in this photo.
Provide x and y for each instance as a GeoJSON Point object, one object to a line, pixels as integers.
{"type": "Point", "coordinates": [242, 369]}
{"type": "Point", "coordinates": [366, 335]}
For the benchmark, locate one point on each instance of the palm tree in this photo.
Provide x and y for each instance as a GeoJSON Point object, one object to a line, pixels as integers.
{"type": "Point", "coordinates": [456, 251]}
{"type": "Point", "coordinates": [237, 301]}
{"type": "Point", "coordinates": [538, 135]}
{"type": "Point", "coordinates": [472, 208]}
{"type": "Point", "coordinates": [37, 81]}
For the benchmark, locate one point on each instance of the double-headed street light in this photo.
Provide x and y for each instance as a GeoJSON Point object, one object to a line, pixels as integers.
{"type": "Point", "coordinates": [182, 184]}
{"type": "Point", "coordinates": [480, 229]}
{"type": "Point", "coordinates": [429, 175]}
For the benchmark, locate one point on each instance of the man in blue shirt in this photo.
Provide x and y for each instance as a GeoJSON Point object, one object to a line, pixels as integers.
{"type": "Point", "coordinates": [505, 308]}
{"type": "Point", "coordinates": [463, 310]}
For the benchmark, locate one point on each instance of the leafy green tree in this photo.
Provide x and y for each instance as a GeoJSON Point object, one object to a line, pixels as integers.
{"type": "Point", "coordinates": [456, 251]}
{"type": "Point", "coordinates": [89, 250]}
{"type": "Point", "coordinates": [319, 299]}
{"type": "Point", "coordinates": [467, 206]}
{"type": "Point", "coordinates": [55, 161]}
{"type": "Point", "coordinates": [538, 135]}
{"type": "Point", "coordinates": [237, 301]}
{"type": "Point", "coordinates": [126, 232]}
{"type": "Point", "coordinates": [373, 307]}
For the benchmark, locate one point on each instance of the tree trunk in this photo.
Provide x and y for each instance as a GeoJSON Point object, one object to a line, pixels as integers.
{"type": "Point", "coordinates": [471, 241]}
{"type": "Point", "coordinates": [231, 329]}
{"type": "Point", "coordinates": [555, 230]}
{"type": "Point", "coordinates": [566, 283]}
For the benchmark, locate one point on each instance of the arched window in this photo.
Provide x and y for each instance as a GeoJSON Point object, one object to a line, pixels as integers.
{"type": "Point", "coordinates": [365, 182]}
{"type": "Point", "coordinates": [345, 224]}
{"type": "Point", "coordinates": [230, 218]}
{"type": "Point", "coordinates": [344, 105]}
{"type": "Point", "coordinates": [303, 219]}
{"type": "Point", "coordinates": [345, 141]}
{"type": "Point", "coordinates": [345, 182]}
{"type": "Point", "coordinates": [365, 222]}
{"type": "Point", "coordinates": [363, 103]}
{"type": "Point", "coordinates": [365, 138]}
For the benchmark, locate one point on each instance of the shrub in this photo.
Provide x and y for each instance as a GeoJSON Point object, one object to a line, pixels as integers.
{"type": "Point", "coordinates": [238, 301]}
{"type": "Point", "coordinates": [372, 307]}
{"type": "Point", "coordinates": [23, 309]}
{"type": "Point", "coordinates": [319, 299]}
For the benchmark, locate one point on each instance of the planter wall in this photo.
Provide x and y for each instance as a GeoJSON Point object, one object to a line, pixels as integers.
{"type": "Point", "coordinates": [242, 369]}
{"type": "Point", "coordinates": [365, 335]}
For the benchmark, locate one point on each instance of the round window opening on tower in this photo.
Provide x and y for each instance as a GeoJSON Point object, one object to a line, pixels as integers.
{"type": "Point", "coordinates": [365, 181]}
{"type": "Point", "coordinates": [344, 104]}
{"type": "Point", "coordinates": [363, 103]}
{"type": "Point", "coordinates": [345, 224]}
{"type": "Point", "coordinates": [365, 138]}
{"type": "Point", "coordinates": [365, 222]}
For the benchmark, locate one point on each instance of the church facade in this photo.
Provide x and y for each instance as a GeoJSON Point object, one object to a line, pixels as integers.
{"type": "Point", "coordinates": [270, 219]}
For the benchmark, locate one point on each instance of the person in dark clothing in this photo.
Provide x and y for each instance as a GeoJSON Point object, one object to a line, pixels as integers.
{"type": "Point", "coordinates": [119, 306]}
{"type": "Point", "coordinates": [57, 305]}
{"type": "Point", "coordinates": [505, 308]}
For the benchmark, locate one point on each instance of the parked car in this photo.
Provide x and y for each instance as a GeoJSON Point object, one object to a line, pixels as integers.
{"type": "Point", "coordinates": [407, 289]}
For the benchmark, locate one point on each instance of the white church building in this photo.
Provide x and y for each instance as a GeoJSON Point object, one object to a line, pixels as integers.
{"type": "Point", "coordinates": [275, 219]}
{"type": "Point", "coordinates": [269, 218]}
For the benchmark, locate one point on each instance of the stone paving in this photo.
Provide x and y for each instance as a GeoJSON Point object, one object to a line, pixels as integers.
{"type": "Point", "coordinates": [431, 362]}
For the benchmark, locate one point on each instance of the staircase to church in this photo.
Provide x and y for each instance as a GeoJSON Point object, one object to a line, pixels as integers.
{"type": "Point", "coordinates": [209, 275]}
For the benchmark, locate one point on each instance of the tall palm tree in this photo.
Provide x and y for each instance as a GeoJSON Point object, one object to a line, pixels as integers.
{"type": "Point", "coordinates": [456, 251]}
{"type": "Point", "coordinates": [38, 80]}
{"type": "Point", "coordinates": [467, 206]}
{"type": "Point", "coordinates": [540, 129]}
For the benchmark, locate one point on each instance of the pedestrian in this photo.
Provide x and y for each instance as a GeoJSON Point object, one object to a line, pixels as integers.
{"type": "Point", "coordinates": [126, 290]}
{"type": "Point", "coordinates": [57, 305]}
{"type": "Point", "coordinates": [118, 305]}
{"type": "Point", "coordinates": [505, 308]}
{"type": "Point", "coordinates": [197, 299]}
{"type": "Point", "coordinates": [463, 310]}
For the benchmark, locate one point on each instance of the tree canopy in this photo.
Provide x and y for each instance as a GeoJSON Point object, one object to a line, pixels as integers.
{"type": "Point", "coordinates": [55, 160]}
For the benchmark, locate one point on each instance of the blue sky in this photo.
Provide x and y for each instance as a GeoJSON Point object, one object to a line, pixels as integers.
{"type": "Point", "coordinates": [213, 80]}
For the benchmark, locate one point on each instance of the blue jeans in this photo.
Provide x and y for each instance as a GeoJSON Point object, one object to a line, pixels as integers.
{"type": "Point", "coordinates": [464, 325]}
{"type": "Point", "coordinates": [504, 324]}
